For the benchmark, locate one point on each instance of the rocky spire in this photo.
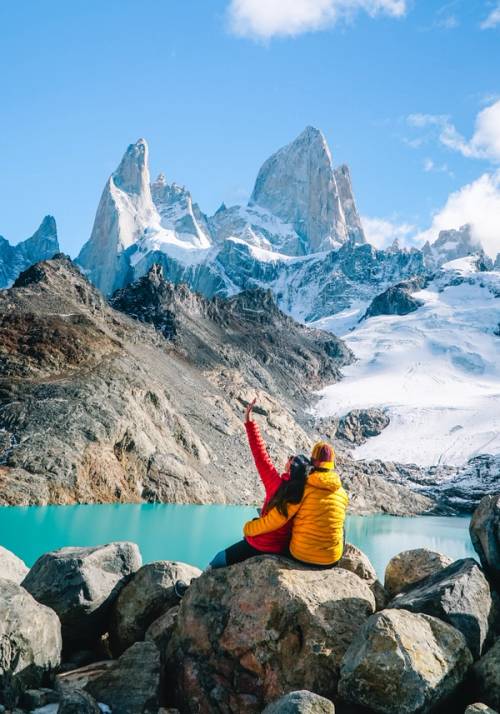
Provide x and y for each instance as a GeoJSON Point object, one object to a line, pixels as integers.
{"type": "Point", "coordinates": [353, 221]}
{"type": "Point", "coordinates": [42, 245]}
{"type": "Point", "coordinates": [298, 185]}
{"type": "Point", "coordinates": [125, 211]}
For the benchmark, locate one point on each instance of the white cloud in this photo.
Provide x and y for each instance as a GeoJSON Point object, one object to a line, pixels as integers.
{"type": "Point", "coordinates": [493, 19]}
{"type": "Point", "coordinates": [430, 166]}
{"type": "Point", "coordinates": [382, 232]}
{"type": "Point", "coordinates": [485, 141]}
{"type": "Point", "coordinates": [267, 18]}
{"type": "Point", "coordinates": [478, 204]}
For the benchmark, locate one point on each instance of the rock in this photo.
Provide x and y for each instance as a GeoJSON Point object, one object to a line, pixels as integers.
{"type": "Point", "coordinates": [247, 633]}
{"type": "Point", "coordinates": [460, 595]}
{"type": "Point", "coordinates": [30, 642]}
{"type": "Point", "coordinates": [132, 684]}
{"type": "Point", "coordinates": [81, 584]}
{"type": "Point", "coordinates": [160, 631]}
{"type": "Point", "coordinates": [479, 709]}
{"type": "Point", "coordinates": [396, 300]}
{"type": "Point", "coordinates": [410, 566]}
{"type": "Point", "coordinates": [300, 702]}
{"type": "Point", "coordinates": [76, 701]}
{"type": "Point", "coordinates": [401, 662]}
{"type": "Point", "coordinates": [79, 678]}
{"type": "Point", "coordinates": [41, 246]}
{"type": "Point", "coordinates": [360, 424]}
{"type": "Point", "coordinates": [354, 560]}
{"type": "Point", "coordinates": [12, 567]}
{"type": "Point", "coordinates": [486, 677]}
{"type": "Point", "coordinates": [485, 535]}
{"type": "Point", "coordinates": [149, 594]}
{"type": "Point", "coordinates": [36, 698]}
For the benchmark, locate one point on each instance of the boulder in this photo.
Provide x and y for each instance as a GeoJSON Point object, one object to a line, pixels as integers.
{"type": "Point", "coordinates": [360, 424]}
{"type": "Point", "coordinates": [248, 633]}
{"type": "Point", "coordinates": [76, 701]}
{"type": "Point", "coordinates": [37, 698]}
{"type": "Point", "coordinates": [81, 584]}
{"type": "Point", "coordinates": [12, 567]}
{"type": "Point", "coordinates": [410, 566]}
{"type": "Point", "coordinates": [132, 684]}
{"type": "Point", "coordinates": [460, 595]}
{"type": "Point", "coordinates": [486, 677]}
{"type": "Point", "coordinates": [79, 678]}
{"type": "Point", "coordinates": [354, 560]}
{"type": "Point", "coordinates": [30, 642]}
{"type": "Point", "coordinates": [149, 594]}
{"type": "Point", "coordinates": [300, 702]}
{"type": "Point", "coordinates": [160, 631]}
{"type": "Point", "coordinates": [485, 535]}
{"type": "Point", "coordinates": [403, 663]}
{"type": "Point", "coordinates": [479, 709]}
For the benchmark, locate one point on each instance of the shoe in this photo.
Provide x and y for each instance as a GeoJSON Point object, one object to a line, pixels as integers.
{"type": "Point", "coordinates": [180, 588]}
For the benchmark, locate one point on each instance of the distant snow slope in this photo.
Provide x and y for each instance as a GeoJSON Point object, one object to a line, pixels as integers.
{"type": "Point", "coordinates": [436, 371]}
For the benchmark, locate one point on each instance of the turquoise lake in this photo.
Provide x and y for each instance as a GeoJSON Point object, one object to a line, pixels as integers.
{"type": "Point", "coordinates": [194, 534]}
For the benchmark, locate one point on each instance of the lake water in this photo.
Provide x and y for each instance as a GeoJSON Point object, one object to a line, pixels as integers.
{"type": "Point", "coordinates": [193, 534]}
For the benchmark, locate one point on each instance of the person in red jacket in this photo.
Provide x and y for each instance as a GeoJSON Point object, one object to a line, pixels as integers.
{"type": "Point", "coordinates": [276, 541]}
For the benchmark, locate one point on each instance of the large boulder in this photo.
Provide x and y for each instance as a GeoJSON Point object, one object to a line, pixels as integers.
{"type": "Point", "coordinates": [81, 584]}
{"type": "Point", "coordinates": [132, 684]}
{"type": "Point", "coordinates": [149, 594]}
{"type": "Point", "coordinates": [300, 702]}
{"type": "Point", "coordinates": [403, 663]}
{"type": "Point", "coordinates": [485, 535]}
{"type": "Point", "coordinates": [12, 567]}
{"type": "Point", "coordinates": [459, 595]}
{"type": "Point", "coordinates": [30, 642]}
{"type": "Point", "coordinates": [479, 709]}
{"type": "Point", "coordinates": [354, 560]}
{"type": "Point", "coordinates": [160, 631]}
{"type": "Point", "coordinates": [247, 634]}
{"type": "Point", "coordinates": [486, 677]}
{"type": "Point", "coordinates": [410, 566]}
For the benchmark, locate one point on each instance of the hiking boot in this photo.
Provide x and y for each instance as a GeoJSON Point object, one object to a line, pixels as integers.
{"type": "Point", "coordinates": [180, 588]}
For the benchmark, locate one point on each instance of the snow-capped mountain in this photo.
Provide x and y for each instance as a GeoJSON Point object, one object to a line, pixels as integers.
{"type": "Point", "coordinates": [43, 244]}
{"type": "Point", "coordinates": [436, 370]}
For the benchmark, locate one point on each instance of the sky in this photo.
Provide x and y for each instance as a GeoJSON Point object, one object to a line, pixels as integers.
{"type": "Point", "coordinates": [407, 93]}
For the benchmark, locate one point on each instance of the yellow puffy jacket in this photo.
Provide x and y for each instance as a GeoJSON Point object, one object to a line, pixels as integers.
{"type": "Point", "coordinates": [318, 520]}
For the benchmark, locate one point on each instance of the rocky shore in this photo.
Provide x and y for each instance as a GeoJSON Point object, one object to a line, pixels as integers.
{"type": "Point", "coordinates": [92, 629]}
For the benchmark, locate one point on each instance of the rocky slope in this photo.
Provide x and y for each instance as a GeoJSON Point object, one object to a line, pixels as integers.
{"type": "Point", "coordinates": [99, 407]}
{"type": "Point", "coordinates": [266, 635]}
{"type": "Point", "coordinates": [43, 244]}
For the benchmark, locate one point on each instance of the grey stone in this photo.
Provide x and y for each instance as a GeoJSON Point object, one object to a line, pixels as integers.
{"type": "Point", "coordinates": [354, 560]}
{"type": "Point", "coordinates": [460, 595]}
{"type": "Point", "coordinates": [485, 535]}
{"type": "Point", "coordinates": [132, 685]}
{"type": "Point", "coordinates": [479, 709]}
{"type": "Point", "coordinates": [360, 424]}
{"type": "Point", "coordinates": [149, 594]}
{"type": "Point", "coordinates": [30, 642]}
{"type": "Point", "coordinates": [486, 677]}
{"type": "Point", "coordinates": [160, 631]}
{"type": "Point", "coordinates": [77, 701]}
{"type": "Point", "coordinates": [403, 663]}
{"type": "Point", "coordinates": [36, 698]}
{"type": "Point", "coordinates": [12, 567]}
{"type": "Point", "coordinates": [411, 566]}
{"type": "Point", "coordinates": [81, 584]}
{"type": "Point", "coordinates": [300, 702]}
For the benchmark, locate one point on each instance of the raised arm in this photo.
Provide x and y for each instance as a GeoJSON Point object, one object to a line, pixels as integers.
{"type": "Point", "coordinates": [267, 471]}
{"type": "Point", "coordinates": [270, 522]}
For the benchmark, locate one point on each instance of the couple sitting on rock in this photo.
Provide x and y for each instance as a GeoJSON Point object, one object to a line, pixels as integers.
{"type": "Point", "coordinates": [303, 513]}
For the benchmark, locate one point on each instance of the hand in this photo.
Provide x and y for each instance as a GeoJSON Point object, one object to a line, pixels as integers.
{"type": "Point", "coordinates": [248, 410]}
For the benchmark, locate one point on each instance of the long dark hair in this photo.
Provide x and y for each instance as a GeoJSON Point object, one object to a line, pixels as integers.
{"type": "Point", "coordinates": [292, 491]}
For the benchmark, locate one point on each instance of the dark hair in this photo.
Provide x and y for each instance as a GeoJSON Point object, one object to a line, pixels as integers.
{"type": "Point", "coordinates": [292, 491]}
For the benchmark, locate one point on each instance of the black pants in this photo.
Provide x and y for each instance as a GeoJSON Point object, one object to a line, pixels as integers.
{"type": "Point", "coordinates": [236, 553]}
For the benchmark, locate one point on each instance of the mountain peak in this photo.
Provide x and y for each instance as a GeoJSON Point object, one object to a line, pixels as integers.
{"type": "Point", "coordinates": [132, 173]}
{"type": "Point", "coordinates": [298, 185]}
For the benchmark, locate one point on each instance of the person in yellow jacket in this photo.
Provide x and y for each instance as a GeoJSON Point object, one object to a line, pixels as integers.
{"type": "Point", "coordinates": [317, 503]}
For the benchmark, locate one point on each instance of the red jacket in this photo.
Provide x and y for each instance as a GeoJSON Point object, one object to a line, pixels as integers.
{"type": "Point", "coordinates": [276, 541]}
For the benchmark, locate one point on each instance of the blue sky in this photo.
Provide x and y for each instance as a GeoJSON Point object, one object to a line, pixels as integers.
{"type": "Point", "coordinates": [396, 87]}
